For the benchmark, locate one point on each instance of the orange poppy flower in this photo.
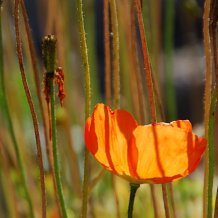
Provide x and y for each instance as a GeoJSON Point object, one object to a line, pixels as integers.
{"type": "Point", "coordinates": [157, 153]}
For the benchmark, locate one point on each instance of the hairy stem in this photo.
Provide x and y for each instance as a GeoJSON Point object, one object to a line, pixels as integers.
{"type": "Point", "coordinates": [55, 150]}
{"type": "Point", "coordinates": [87, 105]}
{"type": "Point", "coordinates": [49, 60]}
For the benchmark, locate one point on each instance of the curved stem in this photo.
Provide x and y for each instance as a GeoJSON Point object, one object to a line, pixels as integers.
{"type": "Point", "coordinates": [133, 189]}
{"type": "Point", "coordinates": [41, 105]}
{"type": "Point", "coordinates": [32, 109]}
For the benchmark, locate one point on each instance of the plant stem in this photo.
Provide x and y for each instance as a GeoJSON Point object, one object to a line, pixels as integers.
{"type": "Point", "coordinates": [116, 64]}
{"type": "Point", "coordinates": [207, 97]}
{"type": "Point", "coordinates": [133, 189]}
{"type": "Point", "coordinates": [49, 60]}
{"type": "Point", "coordinates": [211, 153]}
{"type": "Point", "coordinates": [87, 105]}
{"type": "Point", "coordinates": [213, 29]}
{"type": "Point", "coordinates": [107, 54]}
{"type": "Point", "coordinates": [55, 150]}
{"type": "Point", "coordinates": [165, 197]}
{"type": "Point", "coordinates": [146, 60]}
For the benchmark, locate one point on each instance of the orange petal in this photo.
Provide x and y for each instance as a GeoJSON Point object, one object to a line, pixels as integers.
{"type": "Point", "coordinates": [183, 124]}
{"type": "Point", "coordinates": [107, 136]}
{"type": "Point", "coordinates": [163, 153]}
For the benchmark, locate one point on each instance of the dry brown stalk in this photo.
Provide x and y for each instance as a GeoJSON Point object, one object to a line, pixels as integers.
{"type": "Point", "coordinates": [134, 52]}
{"type": "Point", "coordinates": [166, 206]}
{"type": "Point", "coordinates": [146, 60]}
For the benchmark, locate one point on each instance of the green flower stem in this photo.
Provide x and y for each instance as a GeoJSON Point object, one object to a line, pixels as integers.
{"type": "Point", "coordinates": [85, 59]}
{"type": "Point", "coordinates": [133, 189]}
{"type": "Point", "coordinates": [87, 105]}
{"type": "Point", "coordinates": [210, 148]}
{"type": "Point", "coordinates": [49, 61]}
{"type": "Point", "coordinates": [11, 128]}
{"type": "Point", "coordinates": [55, 150]}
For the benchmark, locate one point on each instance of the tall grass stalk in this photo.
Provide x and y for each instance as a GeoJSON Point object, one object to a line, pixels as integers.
{"type": "Point", "coordinates": [11, 128]}
{"type": "Point", "coordinates": [214, 25]}
{"type": "Point", "coordinates": [107, 57]}
{"type": "Point", "coordinates": [207, 94]}
{"type": "Point", "coordinates": [210, 149]}
{"type": "Point", "coordinates": [115, 61]}
{"type": "Point", "coordinates": [87, 105]}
